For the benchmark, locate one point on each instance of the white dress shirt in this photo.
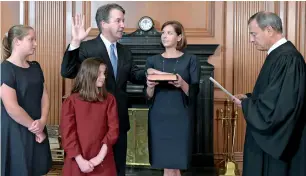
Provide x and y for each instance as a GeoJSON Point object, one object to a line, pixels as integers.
{"type": "Point", "coordinates": [277, 44]}
{"type": "Point", "coordinates": [106, 42]}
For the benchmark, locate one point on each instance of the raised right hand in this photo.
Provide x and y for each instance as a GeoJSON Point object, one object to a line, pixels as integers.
{"type": "Point", "coordinates": [240, 96]}
{"type": "Point", "coordinates": [78, 31]}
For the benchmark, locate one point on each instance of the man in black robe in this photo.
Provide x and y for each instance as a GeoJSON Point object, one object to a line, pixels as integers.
{"type": "Point", "coordinates": [275, 140]}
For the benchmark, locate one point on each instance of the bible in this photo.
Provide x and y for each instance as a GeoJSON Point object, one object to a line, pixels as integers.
{"type": "Point", "coordinates": [162, 77]}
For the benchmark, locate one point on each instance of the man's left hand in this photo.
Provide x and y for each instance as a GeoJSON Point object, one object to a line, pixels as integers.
{"type": "Point", "coordinates": [236, 101]}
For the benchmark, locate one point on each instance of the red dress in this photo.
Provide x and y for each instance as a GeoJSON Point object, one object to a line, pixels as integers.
{"type": "Point", "coordinates": [85, 127]}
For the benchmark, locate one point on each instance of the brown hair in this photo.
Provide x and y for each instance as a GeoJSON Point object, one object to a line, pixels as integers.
{"type": "Point", "coordinates": [102, 13]}
{"type": "Point", "coordinates": [85, 81]}
{"type": "Point", "coordinates": [17, 31]}
{"type": "Point", "coordinates": [179, 30]}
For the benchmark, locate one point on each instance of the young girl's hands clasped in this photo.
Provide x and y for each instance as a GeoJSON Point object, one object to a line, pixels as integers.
{"type": "Point", "coordinates": [84, 165]}
{"type": "Point", "coordinates": [100, 157]}
{"type": "Point", "coordinates": [37, 128]}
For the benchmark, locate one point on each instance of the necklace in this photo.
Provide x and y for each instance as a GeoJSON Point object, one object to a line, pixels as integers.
{"type": "Point", "coordinates": [174, 68]}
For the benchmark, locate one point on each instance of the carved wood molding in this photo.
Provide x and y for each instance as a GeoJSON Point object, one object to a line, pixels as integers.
{"type": "Point", "coordinates": [301, 27]}
{"type": "Point", "coordinates": [49, 21]}
{"type": "Point", "coordinates": [207, 30]}
{"type": "Point", "coordinates": [86, 6]}
{"type": "Point", "coordinates": [73, 8]}
{"type": "Point", "coordinates": [26, 13]}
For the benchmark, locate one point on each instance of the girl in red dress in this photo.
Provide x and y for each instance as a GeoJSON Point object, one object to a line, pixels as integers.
{"type": "Point", "coordinates": [89, 124]}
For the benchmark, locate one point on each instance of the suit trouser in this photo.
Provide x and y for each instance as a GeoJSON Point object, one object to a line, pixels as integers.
{"type": "Point", "coordinates": [120, 149]}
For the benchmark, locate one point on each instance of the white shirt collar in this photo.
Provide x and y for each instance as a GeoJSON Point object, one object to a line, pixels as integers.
{"type": "Point", "coordinates": [108, 44]}
{"type": "Point", "coordinates": [277, 44]}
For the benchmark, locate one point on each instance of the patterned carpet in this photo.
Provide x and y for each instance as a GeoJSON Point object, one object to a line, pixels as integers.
{"type": "Point", "coordinates": [55, 171]}
{"type": "Point", "coordinates": [133, 171]}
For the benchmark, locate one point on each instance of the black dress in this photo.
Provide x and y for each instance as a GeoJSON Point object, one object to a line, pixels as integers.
{"type": "Point", "coordinates": [170, 115]}
{"type": "Point", "coordinates": [21, 155]}
{"type": "Point", "coordinates": [275, 113]}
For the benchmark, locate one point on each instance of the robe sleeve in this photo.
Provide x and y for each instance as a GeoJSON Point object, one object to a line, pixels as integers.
{"type": "Point", "coordinates": [248, 95]}
{"type": "Point", "coordinates": [112, 122]}
{"type": "Point", "coordinates": [68, 129]}
{"type": "Point", "coordinates": [273, 115]}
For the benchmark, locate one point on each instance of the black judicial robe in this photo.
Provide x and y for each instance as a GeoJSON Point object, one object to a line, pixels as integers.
{"type": "Point", "coordinates": [275, 140]}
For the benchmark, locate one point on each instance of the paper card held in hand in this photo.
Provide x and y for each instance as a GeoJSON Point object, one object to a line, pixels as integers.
{"type": "Point", "coordinates": [222, 88]}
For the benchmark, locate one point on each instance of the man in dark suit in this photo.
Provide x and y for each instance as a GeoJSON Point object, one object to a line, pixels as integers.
{"type": "Point", "coordinates": [121, 68]}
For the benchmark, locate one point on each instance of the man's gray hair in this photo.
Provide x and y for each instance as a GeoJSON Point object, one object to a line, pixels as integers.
{"type": "Point", "coordinates": [265, 19]}
{"type": "Point", "coordinates": [103, 13]}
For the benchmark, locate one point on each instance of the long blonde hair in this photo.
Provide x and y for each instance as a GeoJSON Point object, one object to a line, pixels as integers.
{"type": "Point", "coordinates": [17, 31]}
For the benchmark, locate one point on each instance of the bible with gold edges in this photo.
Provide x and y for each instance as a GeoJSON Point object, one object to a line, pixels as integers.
{"type": "Point", "coordinates": [162, 77]}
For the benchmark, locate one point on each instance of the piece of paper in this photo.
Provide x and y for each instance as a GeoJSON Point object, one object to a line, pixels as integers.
{"type": "Point", "coordinates": [222, 88]}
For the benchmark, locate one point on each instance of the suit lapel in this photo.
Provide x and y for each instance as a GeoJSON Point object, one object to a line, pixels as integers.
{"type": "Point", "coordinates": [105, 57]}
{"type": "Point", "coordinates": [120, 53]}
